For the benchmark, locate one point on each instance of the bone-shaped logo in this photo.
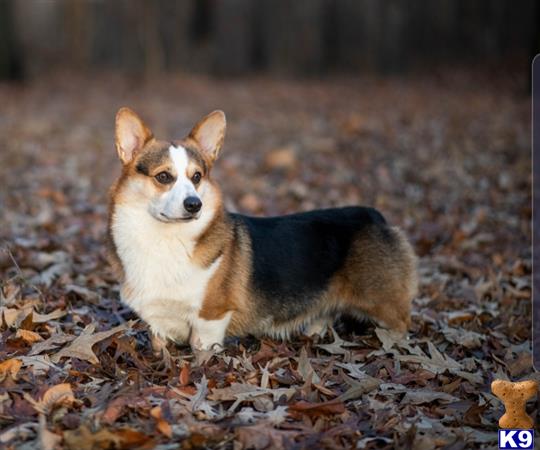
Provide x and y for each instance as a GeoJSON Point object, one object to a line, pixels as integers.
{"type": "Point", "coordinates": [514, 397]}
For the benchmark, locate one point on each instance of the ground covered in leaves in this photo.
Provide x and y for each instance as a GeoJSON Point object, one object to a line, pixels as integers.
{"type": "Point", "coordinates": [447, 157]}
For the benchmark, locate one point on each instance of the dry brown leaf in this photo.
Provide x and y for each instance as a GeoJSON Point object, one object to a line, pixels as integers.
{"type": "Point", "coordinates": [437, 363]}
{"type": "Point", "coordinates": [161, 424]}
{"type": "Point", "coordinates": [184, 374]}
{"type": "Point", "coordinates": [14, 317]}
{"type": "Point", "coordinates": [24, 431]}
{"type": "Point", "coordinates": [27, 336]}
{"type": "Point", "coordinates": [10, 368]}
{"type": "Point", "coordinates": [50, 343]}
{"type": "Point", "coordinates": [359, 388]}
{"type": "Point", "coordinates": [262, 437]}
{"type": "Point", "coordinates": [9, 315]}
{"type": "Point", "coordinates": [59, 395]}
{"type": "Point", "coordinates": [47, 439]}
{"type": "Point", "coordinates": [114, 410]}
{"type": "Point", "coordinates": [130, 438]}
{"type": "Point", "coordinates": [421, 396]}
{"type": "Point", "coordinates": [388, 338]}
{"type": "Point", "coordinates": [248, 391]}
{"type": "Point", "coordinates": [305, 369]}
{"type": "Point", "coordinates": [44, 318]}
{"type": "Point", "coordinates": [81, 347]}
{"type": "Point", "coordinates": [84, 439]}
{"type": "Point", "coordinates": [338, 346]}
{"type": "Point", "coordinates": [39, 364]}
{"type": "Point", "coordinates": [318, 409]}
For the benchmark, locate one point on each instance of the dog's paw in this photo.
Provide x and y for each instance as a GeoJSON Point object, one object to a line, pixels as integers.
{"type": "Point", "coordinates": [200, 343]}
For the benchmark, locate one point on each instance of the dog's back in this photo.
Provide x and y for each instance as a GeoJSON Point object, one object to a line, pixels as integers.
{"type": "Point", "coordinates": [307, 267]}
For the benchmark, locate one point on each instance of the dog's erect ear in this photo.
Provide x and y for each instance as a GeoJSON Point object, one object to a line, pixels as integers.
{"type": "Point", "coordinates": [131, 134]}
{"type": "Point", "coordinates": [209, 133]}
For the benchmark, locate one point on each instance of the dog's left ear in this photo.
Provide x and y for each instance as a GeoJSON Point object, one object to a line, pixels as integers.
{"type": "Point", "coordinates": [209, 133]}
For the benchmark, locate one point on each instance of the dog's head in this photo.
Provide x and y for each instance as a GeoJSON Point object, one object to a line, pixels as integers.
{"type": "Point", "coordinates": [170, 178]}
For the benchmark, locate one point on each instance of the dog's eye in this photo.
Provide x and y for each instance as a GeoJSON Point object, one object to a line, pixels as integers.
{"type": "Point", "coordinates": [164, 178]}
{"type": "Point", "coordinates": [196, 178]}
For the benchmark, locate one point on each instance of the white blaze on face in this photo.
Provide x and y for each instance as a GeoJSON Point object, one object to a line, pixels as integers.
{"type": "Point", "coordinates": [171, 203]}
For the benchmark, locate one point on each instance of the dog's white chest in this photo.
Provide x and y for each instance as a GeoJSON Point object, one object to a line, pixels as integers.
{"type": "Point", "coordinates": [161, 282]}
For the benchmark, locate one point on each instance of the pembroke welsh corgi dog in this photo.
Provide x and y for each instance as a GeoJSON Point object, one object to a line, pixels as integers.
{"type": "Point", "coordinates": [197, 273]}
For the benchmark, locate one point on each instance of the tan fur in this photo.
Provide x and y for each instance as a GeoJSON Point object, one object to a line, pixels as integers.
{"type": "Point", "coordinates": [379, 279]}
{"type": "Point", "coordinates": [229, 288]}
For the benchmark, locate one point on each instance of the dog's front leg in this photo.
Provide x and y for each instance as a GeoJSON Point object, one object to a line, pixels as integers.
{"type": "Point", "coordinates": [208, 334]}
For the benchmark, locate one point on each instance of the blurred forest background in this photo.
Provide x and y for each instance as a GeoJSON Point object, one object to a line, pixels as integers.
{"type": "Point", "coordinates": [233, 37]}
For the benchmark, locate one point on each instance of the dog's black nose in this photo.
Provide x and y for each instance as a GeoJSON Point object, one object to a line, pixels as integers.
{"type": "Point", "coordinates": [192, 204]}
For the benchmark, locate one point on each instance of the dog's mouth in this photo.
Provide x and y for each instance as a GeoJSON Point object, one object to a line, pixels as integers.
{"type": "Point", "coordinates": [167, 219]}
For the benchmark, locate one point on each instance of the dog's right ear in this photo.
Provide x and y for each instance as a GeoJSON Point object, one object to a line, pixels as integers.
{"type": "Point", "coordinates": [131, 134]}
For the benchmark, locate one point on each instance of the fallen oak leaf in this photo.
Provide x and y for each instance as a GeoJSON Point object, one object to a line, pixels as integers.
{"type": "Point", "coordinates": [126, 347]}
{"type": "Point", "coordinates": [84, 439]}
{"type": "Point", "coordinates": [63, 265]}
{"type": "Point", "coordinates": [324, 390]}
{"type": "Point", "coordinates": [10, 368]}
{"type": "Point", "coordinates": [117, 407]}
{"type": "Point", "coordinates": [14, 317]}
{"type": "Point", "coordinates": [437, 363]}
{"type": "Point", "coordinates": [421, 396]}
{"type": "Point", "coordinates": [161, 424]}
{"type": "Point", "coordinates": [358, 388]}
{"type": "Point", "coordinates": [458, 317]}
{"type": "Point", "coordinates": [85, 293]}
{"type": "Point", "coordinates": [114, 410]}
{"type": "Point", "coordinates": [24, 431]}
{"type": "Point", "coordinates": [47, 439]}
{"type": "Point", "coordinates": [263, 403]}
{"type": "Point", "coordinates": [465, 338]}
{"type": "Point", "coordinates": [59, 395]}
{"type": "Point", "coordinates": [50, 343]}
{"type": "Point", "coordinates": [265, 375]}
{"type": "Point", "coordinates": [9, 316]}
{"type": "Point", "coordinates": [318, 409]}
{"type": "Point", "coordinates": [261, 436]}
{"type": "Point", "coordinates": [200, 396]}
{"type": "Point", "coordinates": [133, 439]}
{"type": "Point", "coordinates": [39, 364]}
{"type": "Point", "coordinates": [30, 337]}
{"type": "Point", "coordinates": [81, 347]}
{"type": "Point", "coordinates": [474, 378]}
{"type": "Point", "coordinates": [388, 338]}
{"type": "Point", "coordinates": [197, 403]}
{"type": "Point", "coordinates": [249, 415]}
{"type": "Point", "coordinates": [354, 370]}
{"type": "Point", "coordinates": [338, 346]}
{"type": "Point", "coordinates": [44, 318]}
{"type": "Point", "coordinates": [305, 369]}
{"type": "Point", "coordinates": [247, 392]}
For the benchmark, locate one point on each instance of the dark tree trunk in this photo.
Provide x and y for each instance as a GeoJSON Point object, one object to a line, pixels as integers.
{"type": "Point", "coordinates": [10, 52]}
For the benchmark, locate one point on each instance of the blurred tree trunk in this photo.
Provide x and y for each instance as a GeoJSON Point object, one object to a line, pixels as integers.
{"type": "Point", "coordinates": [78, 21]}
{"type": "Point", "coordinates": [10, 56]}
{"type": "Point", "coordinates": [176, 30]}
{"type": "Point", "coordinates": [372, 35]}
{"type": "Point", "coordinates": [292, 34]}
{"type": "Point", "coordinates": [41, 35]}
{"type": "Point", "coordinates": [233, 37]}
